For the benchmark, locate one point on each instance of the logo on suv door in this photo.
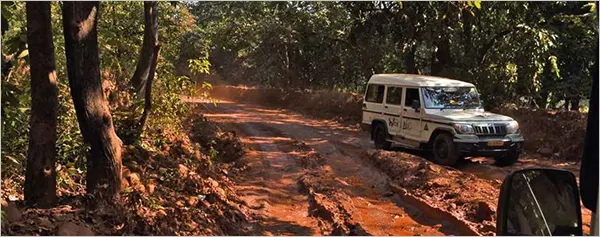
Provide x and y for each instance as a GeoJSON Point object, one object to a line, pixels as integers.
{"type": "Point", "coordinates": [393, 122]}
{"type": "Point", "coordinates": [406, 125]}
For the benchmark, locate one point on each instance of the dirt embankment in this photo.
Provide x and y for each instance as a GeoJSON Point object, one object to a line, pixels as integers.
{"type": "Point", "coordinates": [554, 134]}
{"type": "Point", "coordinates": [441, 190]}
{"type": "Point", "coordinates": [171, 186]}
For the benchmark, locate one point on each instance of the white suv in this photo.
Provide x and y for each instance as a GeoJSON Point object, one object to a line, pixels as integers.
{"type": "Point", "coordinates": [437, 114]}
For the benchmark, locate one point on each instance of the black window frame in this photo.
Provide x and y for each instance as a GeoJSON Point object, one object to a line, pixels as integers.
{"type": "Point", "coordinates": [408, 103]}
{"type": "Point", "coordinates": [387, 95]}
{"type": "Point", "coordinates": [380, 97]}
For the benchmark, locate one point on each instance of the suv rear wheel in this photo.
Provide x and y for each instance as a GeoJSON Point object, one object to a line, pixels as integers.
{"type": "Point", "coordinates": [444, 150]}
{"type": "Point", "coordinates": [380, 138]}
{"type": "Point", "coordinates": [507, 160]}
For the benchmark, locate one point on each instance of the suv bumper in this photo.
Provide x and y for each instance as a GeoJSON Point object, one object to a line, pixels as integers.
{"type": "Point", "coordinates": [472, 145]}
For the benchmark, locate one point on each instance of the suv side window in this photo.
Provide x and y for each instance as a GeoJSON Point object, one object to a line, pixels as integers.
{"type": "Point", "coordinates": [375, 93]}
{"type": "Point", "coordinates": [411, 94]}
{"type": "Point", "coordinates": [394, 95]}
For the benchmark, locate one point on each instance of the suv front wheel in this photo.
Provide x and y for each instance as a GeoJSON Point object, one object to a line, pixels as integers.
{"type": "Point", "coordinates": [444, 150]}
{"type": "Point", "coordinates": [380, 138]}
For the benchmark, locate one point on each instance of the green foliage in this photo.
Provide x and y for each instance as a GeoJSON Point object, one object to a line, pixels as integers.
{"type": "Point", "coordinates": [15, 99]}
{"type": "Point", "coordinates": [3, 219]}
{"type": "Point", "coordinates": [502, 47]}
{"type": "Point", "coordinates": [121, 29]}
{"type": "Point", "coordinates": [199, 66]}
{"type": "Point", "coordinates": [169, 110]}
{"type": "Point", "coordinates": [120, 33]}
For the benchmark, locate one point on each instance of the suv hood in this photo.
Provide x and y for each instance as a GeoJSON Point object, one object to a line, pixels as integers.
{"type": "Point", "coordinates": [468, 116]}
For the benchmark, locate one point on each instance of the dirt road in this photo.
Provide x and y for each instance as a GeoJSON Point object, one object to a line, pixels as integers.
{"type": "Point", "coordinates": [307, 177]}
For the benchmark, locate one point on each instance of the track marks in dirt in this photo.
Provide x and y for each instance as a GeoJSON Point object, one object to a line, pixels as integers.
{"type": "Point", "coordinates": [354, 191]}
{"type": "Point", "coordinates": [331, 206]}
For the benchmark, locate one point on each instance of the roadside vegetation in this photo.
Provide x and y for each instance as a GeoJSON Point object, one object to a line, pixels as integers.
{"type": "Point", "coordinates": [96, 138]}
{"type": "Point", "coordinates": [149, 155]}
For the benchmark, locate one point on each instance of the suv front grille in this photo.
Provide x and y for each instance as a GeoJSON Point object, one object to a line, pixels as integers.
{"type": "Point", "coordinates": [490, 129]}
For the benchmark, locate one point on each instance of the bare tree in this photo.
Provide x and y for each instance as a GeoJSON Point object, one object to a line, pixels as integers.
{"type": "Point", "coordinates": [93, 113]}
{"type": "Point", "coordinates": [40, 177]}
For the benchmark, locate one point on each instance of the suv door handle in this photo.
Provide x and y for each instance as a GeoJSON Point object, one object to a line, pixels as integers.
{"type": "Point", "coordinates": [405, 110]}
{"type": "Point", "coordinates": [385, 107]}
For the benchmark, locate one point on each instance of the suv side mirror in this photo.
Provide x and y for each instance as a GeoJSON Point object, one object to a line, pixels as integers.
{"type": "Point", "coordinates": [539, 202]}
{"type": "Point", "coordinates": [416, 105]}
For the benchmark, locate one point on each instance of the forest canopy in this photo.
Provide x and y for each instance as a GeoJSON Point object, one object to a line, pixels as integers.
{"type": "Point", "coordinates": [537, 54]}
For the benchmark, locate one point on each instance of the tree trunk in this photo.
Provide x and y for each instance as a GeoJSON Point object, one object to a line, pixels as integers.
{"type": "Point", "coordinates": [443, 57]}
{"type": "Point", "coordinates": [40, 177]}
{"type": "Point", "coordinates": [409, 60]}
{"type": "Point", "coordinates": [543, 99]}
{"type": "Point", "coordinates": [467, 20]}
{"type": "Point", "coordinates": [148, 91]}
{"type": "Point", "coordinates": [93, 114]}
{"type": "Point", "coordinates": [144, 63]}
{"type": "Point", "coordinates": [575, 103]}
{"type": "Point", "coordinates": [4, 25]}
{"type": "Point", "coordinates": [547, 79]}
{"type": "Point", "coordinates": [521, 86]}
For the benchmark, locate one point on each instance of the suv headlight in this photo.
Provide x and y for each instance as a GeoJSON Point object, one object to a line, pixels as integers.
{"type": "Point", "coordinates": [464, 128]}
{"type": "Point", "coordinates": [512, 127]}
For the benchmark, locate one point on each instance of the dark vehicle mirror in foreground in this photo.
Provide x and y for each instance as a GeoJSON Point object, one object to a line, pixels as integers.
{"type": "Point", "coordinates": [539, 202]}
{"type": "Point", "coordinates": [416, 105]}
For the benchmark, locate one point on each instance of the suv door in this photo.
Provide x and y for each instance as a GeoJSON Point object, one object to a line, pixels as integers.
{"type": "Point", "coordinates": [411, 119]}
{"type": "Point", "coordinates": [392, 109]}
{"type": "Point", "coordinates": [373, 104]}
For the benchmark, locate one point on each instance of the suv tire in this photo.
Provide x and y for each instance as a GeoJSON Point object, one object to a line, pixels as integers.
{"type": "Point", "coordinates": [444, 150]}
{"type": "Point", "coordinates": [507, 160]}
{"type": "Point", "coordinates": [380, 138]}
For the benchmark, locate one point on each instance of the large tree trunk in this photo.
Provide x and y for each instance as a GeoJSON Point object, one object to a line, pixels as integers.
{"type": "Point", "coordinates": [144, 63]}
{"type": "Point", "coordinates": [40, 177]}
{"type": "Point", "coordinates": [93, 114]}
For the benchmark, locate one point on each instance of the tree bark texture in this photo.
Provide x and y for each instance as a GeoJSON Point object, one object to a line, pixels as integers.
{"type": "Point", "coordinates": [40, 176]}
{"type": "Point", "coordinates": [146, 67]}
{"type": "Point", "coordinates": [93, 114]}
{"type": "Point", "coordinates": [148, 90]}
{"type": "Point", "coordinates": [409, 60]}
{"type": "Point", "coordinates": [150, 41]}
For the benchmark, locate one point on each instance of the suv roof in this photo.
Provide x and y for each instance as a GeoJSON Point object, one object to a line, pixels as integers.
{"type": "Point", "coordinates": [416, 80]}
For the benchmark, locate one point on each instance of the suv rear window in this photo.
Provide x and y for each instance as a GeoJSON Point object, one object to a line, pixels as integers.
{"type": "Point", "coordinates": [394, 95]}
{"type": "Point", "coordinates": [375, 93]}
{"type": "Point", "coordinates": [411, 94]}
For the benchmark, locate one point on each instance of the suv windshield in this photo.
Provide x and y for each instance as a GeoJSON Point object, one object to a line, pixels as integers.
{"type": "Point", "coordinates": [450, 97]}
